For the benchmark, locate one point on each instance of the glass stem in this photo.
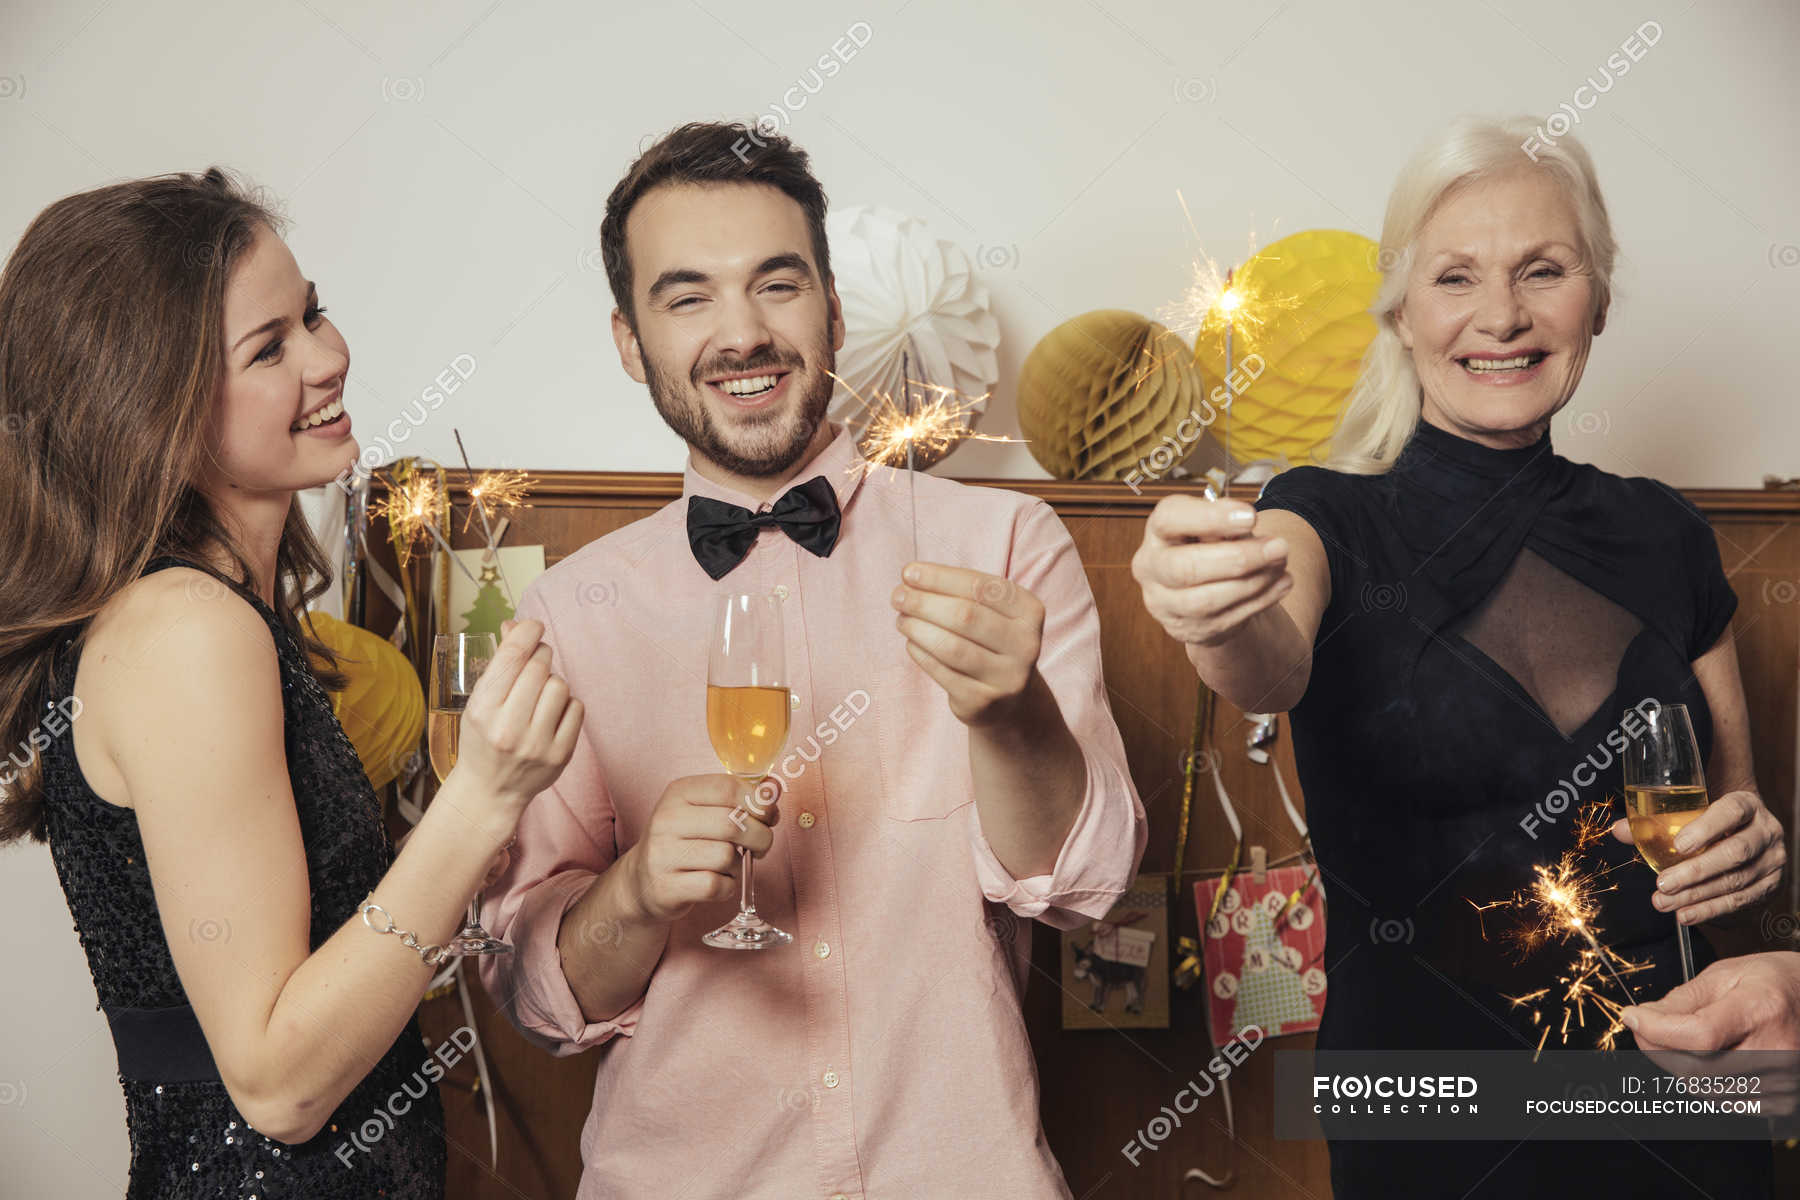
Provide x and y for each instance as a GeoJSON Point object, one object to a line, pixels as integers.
{"type": "Point", "coordinates": [747, 891]}
{"type": "Point", "coordinates": [1687, 951]}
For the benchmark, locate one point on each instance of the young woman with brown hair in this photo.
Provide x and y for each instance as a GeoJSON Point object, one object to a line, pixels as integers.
{"type": "Point", "coordinates": [168, 381]}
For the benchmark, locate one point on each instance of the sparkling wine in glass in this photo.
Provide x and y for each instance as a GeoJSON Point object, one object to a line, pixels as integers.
{"type": "Point", "coordinates": [747, 707]}
{"type": "Point", "coordinates": [457, 661]}
{"type": "Point", "coordinates": [1665, 788]}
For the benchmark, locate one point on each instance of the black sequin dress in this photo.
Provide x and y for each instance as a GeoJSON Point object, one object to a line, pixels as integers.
{"type": "Point", "coordinates": [187, 1137]}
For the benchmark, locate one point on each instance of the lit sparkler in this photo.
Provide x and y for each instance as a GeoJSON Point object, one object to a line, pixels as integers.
{"type": "Point", "coordinates": [1228, 304]}
{"type": "Point", "coordinates": [501, 489]}
{"type": "Point", "coordinates": [410, 508]}
{"type": "Point", "coordinates": [895, 430]}
{"type": "Point", "coordinates": [495, 492]}
{"type": "Point", "coordinates": [1560, 905]}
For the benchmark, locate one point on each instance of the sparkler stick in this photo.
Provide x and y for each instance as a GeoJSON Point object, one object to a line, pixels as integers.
{"type": "Point", "coordinates": [912, 487]}
{"type": "Point", "coordinates": [505, 489]}
{"type": "Point", "coordinates": [894, 428]}
{"type": "Point", "coordinates": [1228, 302]}
{"type": "Point", "coordinates": [410, 509]}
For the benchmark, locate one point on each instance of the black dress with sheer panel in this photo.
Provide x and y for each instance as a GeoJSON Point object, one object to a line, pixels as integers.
{"type": "Point", "coordinates": [1494, 615]}
{"type": "Point", "coordinates": [187, 1137]}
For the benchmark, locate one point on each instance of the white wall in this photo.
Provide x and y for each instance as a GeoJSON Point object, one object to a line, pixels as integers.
{"type": "Point", "coordinates": [445, 177]}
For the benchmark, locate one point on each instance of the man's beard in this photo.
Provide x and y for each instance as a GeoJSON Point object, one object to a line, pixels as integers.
{"type": "Point", "coordinates": [772, 446]}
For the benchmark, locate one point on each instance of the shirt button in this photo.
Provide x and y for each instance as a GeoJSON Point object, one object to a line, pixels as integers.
{"type": "Point", "coordinates": [822, 949]}
{"type": "Point", "coordinates": [806, 820]}
{"type": "Point", "coordinates": [794, 699]}
{"type": "Point", "coordinates": [831, 1079]}
{"type": "Point", "coordinates": [781, 590]}
{"type": "Point", "coordinates": [839, 1196]}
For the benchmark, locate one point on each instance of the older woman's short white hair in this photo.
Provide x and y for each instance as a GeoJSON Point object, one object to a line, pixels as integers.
{"type": "Point", "coordinates": [1383, 407]}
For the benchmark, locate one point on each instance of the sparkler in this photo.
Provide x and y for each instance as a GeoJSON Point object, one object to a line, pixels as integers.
{"type": "Point", "coordinates": [893, 431]}
{"type": "Point", "coordinates": [1560, 905]}
{"type": "Point", "coordinates": [502, 489]}
{"type": "Point", "coordinates": [1228, 303]}
{"type": "Point", "coordinates": [410, 509]}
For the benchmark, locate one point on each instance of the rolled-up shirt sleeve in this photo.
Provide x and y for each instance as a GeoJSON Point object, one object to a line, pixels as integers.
{"type": "Point", "coordinates": [564, 840]}
{"type": "Point", "coordinates": [1100, 856]}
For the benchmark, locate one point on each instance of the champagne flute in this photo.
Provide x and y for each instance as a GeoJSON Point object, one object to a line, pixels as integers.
{"type": "Point", "coordinates": [747, 709]}
{"type": "Point", "coordinates": [457, 661]}
{"type": "Point", "coordinates": [1665, 788]}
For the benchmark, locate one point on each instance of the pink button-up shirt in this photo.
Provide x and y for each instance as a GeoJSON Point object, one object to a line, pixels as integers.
{"type": "Point", "coordinates": [883, 1054]}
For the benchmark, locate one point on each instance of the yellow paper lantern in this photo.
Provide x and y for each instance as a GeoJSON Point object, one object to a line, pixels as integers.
{"type": "Point", "coordinates": [1100, 392]}
{"type": "Point", "coordinates": [383, 708]}
{"type": "Point", "coordinates": [1303, 313]}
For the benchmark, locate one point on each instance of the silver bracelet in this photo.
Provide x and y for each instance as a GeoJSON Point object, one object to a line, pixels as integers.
{"type": "Point", "coordinates": [433, 955]}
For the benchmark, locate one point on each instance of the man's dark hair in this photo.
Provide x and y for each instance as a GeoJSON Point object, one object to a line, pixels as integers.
{"type": "Point", "coordinates": [710, 152]}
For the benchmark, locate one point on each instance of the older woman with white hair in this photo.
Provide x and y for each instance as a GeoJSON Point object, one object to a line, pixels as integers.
{"type": "Point", "coordinates": [1462, 622]}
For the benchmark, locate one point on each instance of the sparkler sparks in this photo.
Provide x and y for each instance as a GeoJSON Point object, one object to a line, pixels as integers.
{"type": "Point", "coordinates": [494, 492]}
{"type": "Point", "coordinates": [894, 432]}
{"type": "Point", "coordinates": [938, 422]}
{"type": "Point", "coordinates": [1224, 302]}
{"type": "Point", "coordinates": [410, 508]}
{"type": "Point", "coordinates": [1560, 905]}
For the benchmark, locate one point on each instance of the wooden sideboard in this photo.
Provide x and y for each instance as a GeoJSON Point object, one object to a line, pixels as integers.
{"type": "Point", "coordinates": [1099, 1088]}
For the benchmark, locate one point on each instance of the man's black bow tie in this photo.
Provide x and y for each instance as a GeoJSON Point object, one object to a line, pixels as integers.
{"type": "Point", "coordinates": [721, 534]}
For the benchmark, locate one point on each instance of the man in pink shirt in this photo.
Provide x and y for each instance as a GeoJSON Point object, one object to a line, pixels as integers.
{"type": "Point", "coordinates": [953, 769]}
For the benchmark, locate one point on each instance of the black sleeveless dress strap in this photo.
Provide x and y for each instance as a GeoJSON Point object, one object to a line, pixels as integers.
{"type": "Point", "coordinates": [187, 1137]}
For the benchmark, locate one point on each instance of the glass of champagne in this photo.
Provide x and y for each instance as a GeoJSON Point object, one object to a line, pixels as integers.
{"type": "Point", "coordinates": [747, 709]}
{"type": "Point", "coordinates": [1665, 788]}
{"type": "Point", "coordinates": [457, 661]}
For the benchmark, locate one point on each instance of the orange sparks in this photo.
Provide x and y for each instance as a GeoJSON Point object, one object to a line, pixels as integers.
{"type": "Point", "coordinates": [1559, 906]}
{"type": "Point", "coordinates": [939, 421]}
{"type": "Point", "coordinates": [495, 492]}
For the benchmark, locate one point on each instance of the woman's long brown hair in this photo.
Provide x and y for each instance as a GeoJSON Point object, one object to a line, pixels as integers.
{"type": "Point", "coordinates": [111, 354]}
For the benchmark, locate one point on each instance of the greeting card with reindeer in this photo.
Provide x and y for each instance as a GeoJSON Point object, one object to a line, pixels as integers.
{"type": "Point", "coordinates": [1115, 972]}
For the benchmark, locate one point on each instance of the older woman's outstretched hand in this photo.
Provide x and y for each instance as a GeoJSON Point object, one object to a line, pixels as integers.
{"type": "Point", "coordinates": [1203, 572]}
{"type": "Point", "coordinates": [1737, 859]}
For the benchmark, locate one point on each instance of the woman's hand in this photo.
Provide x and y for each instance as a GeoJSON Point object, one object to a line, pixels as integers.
{"type": "Point", "coordinates": [520, 726]}
{"type": "Point", "coordinates": [1737, 859]}
{"type": "Point", "coordinates": [1203, 571]}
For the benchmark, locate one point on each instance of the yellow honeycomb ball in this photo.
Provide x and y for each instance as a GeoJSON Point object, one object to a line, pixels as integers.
{"type": "Point", "coordinates": [1298, 342]}
{"type": "Point", "coordinates": [1100, 392]}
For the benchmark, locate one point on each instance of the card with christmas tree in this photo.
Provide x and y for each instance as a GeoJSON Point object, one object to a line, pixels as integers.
{"type": "Point", "coordinates": [480, 599]}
